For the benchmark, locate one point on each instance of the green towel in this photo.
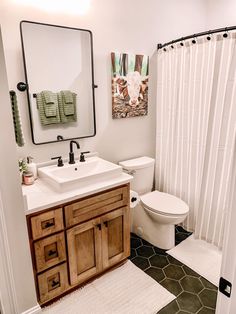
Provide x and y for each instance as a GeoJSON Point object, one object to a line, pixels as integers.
{"type": "Point", "coordinates": [68, 103]}
{"type": "Point", "coordinates": [50, 103]}
{"type": "Point", "coordinates": [45, 115]}
{"type": "Point", "coordinates": [67, 110]}
{"type": "Point", "coordinates": [16, 120]}
{"type": "Point", "coordinates": [68, 96]}
{"type": "Point", "coordinates": [48, 96]}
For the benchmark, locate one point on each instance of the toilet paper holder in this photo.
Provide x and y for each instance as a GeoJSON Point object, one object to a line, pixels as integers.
{"type": "Point", "coordinates": [134, 199]}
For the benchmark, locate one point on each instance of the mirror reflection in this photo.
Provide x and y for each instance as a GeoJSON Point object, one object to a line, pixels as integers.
{"type": "Point", "coordinates": [59, 74]}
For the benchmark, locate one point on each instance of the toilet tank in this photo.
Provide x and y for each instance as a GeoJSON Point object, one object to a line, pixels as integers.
{"type": "Point", "coordinates": [142, 169]}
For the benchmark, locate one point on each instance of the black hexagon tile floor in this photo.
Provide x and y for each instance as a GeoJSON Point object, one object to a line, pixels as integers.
{"type": "Point", "coordinates": [194, 294]}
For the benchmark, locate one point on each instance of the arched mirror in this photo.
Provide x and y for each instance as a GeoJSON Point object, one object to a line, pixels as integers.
{"type": "Point", "coordinates": [58, 63]}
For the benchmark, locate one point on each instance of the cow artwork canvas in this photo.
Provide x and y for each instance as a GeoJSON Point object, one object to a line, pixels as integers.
{"type": "Point", "coordinates": [129, 85]}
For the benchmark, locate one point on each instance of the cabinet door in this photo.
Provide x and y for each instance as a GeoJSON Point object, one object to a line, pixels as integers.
{"type": "Point", "coordinates": [115, 236]}
{"type": "Point", "coordinates": [84, 250]}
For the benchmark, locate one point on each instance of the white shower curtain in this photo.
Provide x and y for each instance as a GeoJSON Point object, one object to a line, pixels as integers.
{"type": "Point", "coordinates": [196, 123]}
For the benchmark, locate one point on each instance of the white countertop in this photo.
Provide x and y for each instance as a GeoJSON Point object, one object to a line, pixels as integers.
{"type": "Point", "coordinates": [41, 196]}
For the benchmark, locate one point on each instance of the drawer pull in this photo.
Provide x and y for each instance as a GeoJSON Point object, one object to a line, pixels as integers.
{"type": "Point", "coordinates": [55, 283]}
{"type": "Point", "coordinates": [51, 252]}
{"type": "Point", "coordinates": [106, 224]}
{"type": "Point", "coordinates": [49, 224]}
{"type": "Point", "coordinates": [99, 226]}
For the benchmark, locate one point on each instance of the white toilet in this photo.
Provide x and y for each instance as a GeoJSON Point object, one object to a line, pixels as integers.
{"type": "Point", "coordinates": [155, 217]}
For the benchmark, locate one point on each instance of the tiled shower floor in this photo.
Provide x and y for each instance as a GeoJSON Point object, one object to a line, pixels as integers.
{"type": "Point", "coordinates": [194, 294]}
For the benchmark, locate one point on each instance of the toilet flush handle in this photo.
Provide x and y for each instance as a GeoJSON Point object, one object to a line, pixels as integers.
{"type": "Point", "coordinates": [131, 172]}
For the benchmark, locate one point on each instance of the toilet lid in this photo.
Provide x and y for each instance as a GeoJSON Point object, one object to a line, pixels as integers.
{"type": "Point", "coordinates": [164, 203]}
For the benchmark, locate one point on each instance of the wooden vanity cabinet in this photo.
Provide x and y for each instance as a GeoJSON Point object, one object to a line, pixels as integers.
{"type": "Point", "coordinates": [78, 241]}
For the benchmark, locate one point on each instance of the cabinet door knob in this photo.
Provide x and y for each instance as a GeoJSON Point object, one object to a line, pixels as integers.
{"type": "Point", "coordinates": [106, 224]}
{"type": "Point", "coordinates": [99, 226]}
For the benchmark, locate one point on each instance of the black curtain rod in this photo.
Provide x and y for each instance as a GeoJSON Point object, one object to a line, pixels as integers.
{"type": "Point", "coordinates": [218, 30]}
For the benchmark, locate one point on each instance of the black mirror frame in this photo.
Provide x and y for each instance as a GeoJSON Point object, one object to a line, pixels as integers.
{"type": "Point", "coordinates": [26, 83]}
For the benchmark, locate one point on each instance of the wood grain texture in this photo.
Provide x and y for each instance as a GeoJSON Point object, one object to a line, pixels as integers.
{"type": "Point", "coordinates": [49, 251]}
{"type": "Point", "coordinates": [115, 236]}
{"type": "Point", "coordinates": [53, 282]}
{"type": "Point", "coordinates": [47, 223]}
{"type": "Point", "coordinates": [94, 206]}
{"type": "Point", "coordinates": [84, 251]}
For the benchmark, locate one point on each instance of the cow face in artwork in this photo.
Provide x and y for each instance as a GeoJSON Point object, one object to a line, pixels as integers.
{"type": "Point", "coordinates": [134, 81]}
{"type": "Point", "coordinates": [131, 88]}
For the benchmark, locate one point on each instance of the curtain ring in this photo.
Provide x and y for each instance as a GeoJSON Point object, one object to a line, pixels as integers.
{"type": "Point", "coordinates": [194, 39]}
{"type": "Point", "coordinates": [209, 35]}
{"type": "Point", "coordinates": [181, 43]}
{"type": "Point", "coordinates": [225, 35]}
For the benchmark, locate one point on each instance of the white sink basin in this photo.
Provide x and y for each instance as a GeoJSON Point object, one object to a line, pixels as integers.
{"type": "Point", "coordinates": [80, 174]}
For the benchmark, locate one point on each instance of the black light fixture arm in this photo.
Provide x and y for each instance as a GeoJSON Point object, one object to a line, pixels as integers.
{"type": "Point", "coordinates": [194, 36]}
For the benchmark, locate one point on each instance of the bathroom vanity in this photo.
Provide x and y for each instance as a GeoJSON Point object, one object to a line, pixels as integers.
{"type": "Point", "coordinates": [76, 235]}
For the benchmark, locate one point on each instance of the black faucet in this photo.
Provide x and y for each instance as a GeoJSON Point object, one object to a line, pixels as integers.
{"type": "Point", "coordinates": [82, 158]}
{"type": "Point", "coordinates": [71, 153]}
{"type": "Point", "coordinates": [59, 161]}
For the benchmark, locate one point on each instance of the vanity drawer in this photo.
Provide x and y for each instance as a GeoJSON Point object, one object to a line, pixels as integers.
{"type": "Point", "coordinates": [53, 282]}
{"type": "Point", "coordinates": [50, 251]}
{"type": "Point", "coordinates": [93, 206]}
{"type": "Point", "coordinates": [47, 223]}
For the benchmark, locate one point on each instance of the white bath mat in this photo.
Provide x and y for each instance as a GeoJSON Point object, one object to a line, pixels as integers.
{"type": "Point", "coordinates": [204, 258]}
{"type": "Point", "coordinates": [125, 290]}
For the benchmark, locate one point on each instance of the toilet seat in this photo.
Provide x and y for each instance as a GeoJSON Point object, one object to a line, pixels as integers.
{"type": "Point", "coordinates": [164, 203]}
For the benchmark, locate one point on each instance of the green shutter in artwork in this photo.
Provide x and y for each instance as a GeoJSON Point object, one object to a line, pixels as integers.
{"type": "Point", "coordinates": [144, 71]}
{"type": "Point", "coordinates": [131, 63]}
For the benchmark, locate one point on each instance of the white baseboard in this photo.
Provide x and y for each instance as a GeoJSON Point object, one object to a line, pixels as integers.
{"type": "Point", "coordinates": [34, 310]}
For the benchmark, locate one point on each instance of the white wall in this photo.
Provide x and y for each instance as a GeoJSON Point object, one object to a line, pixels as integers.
{"type": "Point", "coordinates": [14, 244]}
{"type": "Point", "coordinates": [133, 26]}
{"type": "Point", "coordinates": [220, 13]}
